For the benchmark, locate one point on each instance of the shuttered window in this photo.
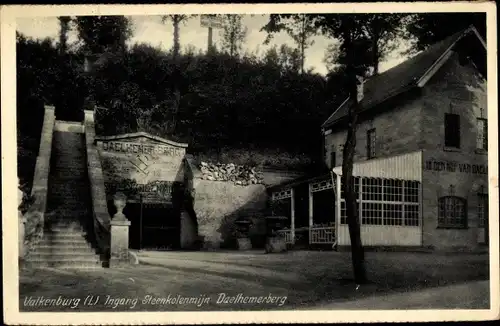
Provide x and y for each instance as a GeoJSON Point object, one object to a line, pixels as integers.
{"type": "Point", "coordinates": [482, 134]}
{"type": "Point", "coordinates": [452, 130]}
{"type": "Point", "coordinates": [333, 158]}
{"type": "Point", "coordinates": [371, 142]}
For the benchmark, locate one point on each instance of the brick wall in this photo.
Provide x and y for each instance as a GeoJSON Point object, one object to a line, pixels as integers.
{"type": "Point", "coordinates": [397, 132]}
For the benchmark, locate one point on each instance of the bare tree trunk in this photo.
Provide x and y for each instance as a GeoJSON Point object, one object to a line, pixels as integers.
{"type": "Point", "coordinates": [357, 251]}
{"type": "Point", "coordinates": [375, 54]}
{"type": "Point", "coordinates": [358, 256]}
{"type": "Point", "coordinates": [176, 49]}
{"type": "Point", "coordinates": [303, 40]}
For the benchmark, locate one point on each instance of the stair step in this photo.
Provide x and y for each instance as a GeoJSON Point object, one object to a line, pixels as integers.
{"type": "Point", "coordinates": [58, 232]}
{"type": "Point", "coordinates": [75, 265]}
{"type": "Point", "coordinates": [65, 256]}
{"type": "Point", "coordinates": [64, 237]}
{"type": "Point", "coordinates": [66, 263]}
{"type": "Point", "coordinates": [63, 246]}
{"type": "Point", "coordinates": [58, 241]}
{"type": "Point", "coordinates": [44, 243]}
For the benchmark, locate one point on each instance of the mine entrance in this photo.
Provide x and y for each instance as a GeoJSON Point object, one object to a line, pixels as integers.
{"type": "Point", "coordinates": [154, 225]}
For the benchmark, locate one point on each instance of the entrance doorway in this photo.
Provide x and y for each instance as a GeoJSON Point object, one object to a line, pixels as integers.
{"type": "Point", "coordinates": [153, 226]}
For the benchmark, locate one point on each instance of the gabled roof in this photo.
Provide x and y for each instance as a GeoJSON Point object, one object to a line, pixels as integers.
{"type": "Point", "coordinates": [411, 73]}
{"type": "Point", "coordinates": [140, 134]}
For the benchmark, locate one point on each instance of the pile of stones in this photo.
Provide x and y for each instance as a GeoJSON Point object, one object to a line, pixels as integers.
{"type": "Point", "coordinates": [239, 174]}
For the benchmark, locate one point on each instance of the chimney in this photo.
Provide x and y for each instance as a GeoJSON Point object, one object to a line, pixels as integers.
{"type": "Point", "coordinates": [359, 87]}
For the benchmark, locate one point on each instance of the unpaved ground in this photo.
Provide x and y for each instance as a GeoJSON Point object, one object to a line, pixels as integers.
{"type": "Point", "coordinates": [308, 280]}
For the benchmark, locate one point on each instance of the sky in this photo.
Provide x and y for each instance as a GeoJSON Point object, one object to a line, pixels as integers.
{"type": "Point", "coordinates": [151, 30]}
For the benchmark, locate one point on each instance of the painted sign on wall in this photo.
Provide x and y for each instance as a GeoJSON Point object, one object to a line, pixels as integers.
{"type": "Point", "coordinates": [454, 166]}
{"type": "Point", "coordinates": [142, 158]}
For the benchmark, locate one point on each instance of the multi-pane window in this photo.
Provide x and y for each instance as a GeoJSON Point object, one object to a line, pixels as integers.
{"type": "Point", "coordinates": [482, 134]}
{"type": "Point", "coordinates": [452, 212]}
{"type": "Point", "coordinates": [452, 130]}
{"type": "Point", "coordinates": [482, 210]}
{"type": "Point", "coordinates": [389, 202]}
{"type": "Point", "coordinates": [371, 141]}
{"type": "Point", "coordinates": [355, 182]}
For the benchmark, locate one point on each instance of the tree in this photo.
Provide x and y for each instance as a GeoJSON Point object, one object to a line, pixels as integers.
{"type": "Point", "coordinates": [300, 27]}
{"type": "Point", "coordinates": [355, 57]}
{"type": "Point", "coordinates": [290, 59]}
{"type": "Point", "coordinates": [383, 31]}
{"type": "Point", "coordinates": [101, 36]}
{"type": "Point", "coordinates": [233, 34]}
{"type": "Point", "coordinates": [176, 21]}
{"type": "Point", "coordinates": [64, 24]}
{"type": "Point", "coordinates": [175, 103]}
{"type": "Point", "coordinates": [331, 56]}
{"type": "Point", "coordinates": [103, 33]}
{"type": "Point", "coordinates": [428, 28]}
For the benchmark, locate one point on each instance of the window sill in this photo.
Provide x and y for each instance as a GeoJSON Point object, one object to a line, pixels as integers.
{"type": "Point", "coordinates": [452, 227]}
{"type": "Point", "coordinates": [451, 149]}
{"type": "Point", "coordinates": [481, 151]}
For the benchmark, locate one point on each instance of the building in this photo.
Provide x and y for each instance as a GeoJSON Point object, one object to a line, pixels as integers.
{"type": "Point", "coordinates": [420, 162]}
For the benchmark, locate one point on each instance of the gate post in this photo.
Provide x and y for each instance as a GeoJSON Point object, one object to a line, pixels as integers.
{"type": "Point", "coordinates": [119, 234]}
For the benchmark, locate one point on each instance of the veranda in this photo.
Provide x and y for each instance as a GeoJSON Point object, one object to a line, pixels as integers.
{"type": "Point", "coordinates": [388, 193]}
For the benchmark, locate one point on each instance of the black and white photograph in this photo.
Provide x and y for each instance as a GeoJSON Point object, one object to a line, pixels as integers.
{"type": "Point", "coordinates": [250, 160]}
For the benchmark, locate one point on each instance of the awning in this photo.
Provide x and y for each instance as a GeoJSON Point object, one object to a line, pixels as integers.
{"type": "Point", "coordinates": [405, 167]}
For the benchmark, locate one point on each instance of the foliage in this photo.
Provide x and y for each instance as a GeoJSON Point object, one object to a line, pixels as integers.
{"type": "Point", "coordinates": [64, 23]}
{"type": "Point", "coordinates": [176, 21]}
{"type": "Point", "coordinates": [300, 27]}
{"type": "Point", "coordinates": [99, 34]}
{"type": "Point", "coordinates": [429, 28]}
{"type": "Point", "coordinates": [233, 35]}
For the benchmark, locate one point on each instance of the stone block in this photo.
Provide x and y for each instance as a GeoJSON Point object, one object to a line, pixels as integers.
{"type": "Point", "coordinates": [119, 244]}
{"type": "Point", "coordinates": [244, 244]}
{"type": "Point", "coordinates": [275, 245]}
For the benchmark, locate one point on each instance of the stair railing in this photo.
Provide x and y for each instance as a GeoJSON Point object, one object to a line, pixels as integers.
{"type": "Point", "coordinates": [101, 218]}
{"type": "Point", "coordinates": [42, 168]}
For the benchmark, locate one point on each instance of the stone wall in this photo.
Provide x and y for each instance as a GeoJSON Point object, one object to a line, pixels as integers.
{"type": "Point", "coordinates": [456, 88]}
{"type": "Point", "coordinates": [36, 212]}
{"type": "Point", "coordinates": [218, 204]}
{"type": "Point", "coordinates": [97, 190]}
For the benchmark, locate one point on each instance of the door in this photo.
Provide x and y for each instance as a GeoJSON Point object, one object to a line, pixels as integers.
{"type": "Point", "coordinates": [160, 228]}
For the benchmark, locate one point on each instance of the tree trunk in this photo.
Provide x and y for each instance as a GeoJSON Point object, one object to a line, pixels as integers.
{"type": "Point", "coordinates": [375, 54]}
{"type": "Point", "coordinates": [176, 48]}
{"type": "Point", "coordinates": [358, 259]}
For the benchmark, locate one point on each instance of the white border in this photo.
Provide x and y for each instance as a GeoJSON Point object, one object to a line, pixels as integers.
{"type": "Point", "coordinates": [9, 163]}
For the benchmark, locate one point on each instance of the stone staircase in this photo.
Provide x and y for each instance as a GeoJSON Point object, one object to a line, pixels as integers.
{"type": "Point", "coordinates": [65, 243]}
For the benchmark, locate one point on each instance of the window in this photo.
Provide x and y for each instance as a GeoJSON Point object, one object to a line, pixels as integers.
{"type": "Point", "coordinates": [370, 143]}
{"type": "Point", "coordinates": [452, 212]}
{"type": "Point", "coordinates": [452, 130]}
{"type": "Point", "coordinates": [333, 158]}
{"type": "Point", "coordinates": [482, 134]}
{"type": "Point", "coordinates": [389, 202]}
{"type": "Point", "coordinates": [482, 210]}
